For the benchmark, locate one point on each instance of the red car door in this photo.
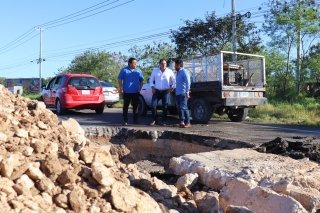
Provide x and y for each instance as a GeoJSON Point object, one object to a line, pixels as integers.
{"type": "Point", "coordinates": [47, 93]}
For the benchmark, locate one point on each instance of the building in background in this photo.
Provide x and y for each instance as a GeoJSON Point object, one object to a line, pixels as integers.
{"type": "Point", "coordinates": [28, 84]}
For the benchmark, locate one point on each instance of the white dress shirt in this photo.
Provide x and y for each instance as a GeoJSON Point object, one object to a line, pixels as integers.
{"type": "Point", "coordinates": [162, 80]}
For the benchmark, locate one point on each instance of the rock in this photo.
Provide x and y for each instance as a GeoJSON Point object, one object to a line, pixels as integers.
{"type": "Point", "coordinates": [71, 155]}
{"type": "Point", "coordinates": [187, 180]}
{"type": "Point", "coordinates": [90, 155]}
{"type": "Point", "coordinates": [239, 192]}
{"type": "Point", "coordinates": [51, 166]}
{"type": "Point", "coordinates": [34, 171]}
{"type": "Point", "coordinates": [42, 125]}
{"type": "Point", "coordinates": [61, 200]}
{"type": "Point", "coordinates": [167, 191]}
{"type": "Point", "coordinates": [6, 186]}
{"type": "Point", "coordinates": [3, 137]}
{"type": "Point", "coordinates": [21, 133]}
{"type": "Point", "coordinates": [67, 177]}
{"type": "Point", "coordinates": [308, 197]}
{"type": "Point", "coordinates": [25, 181]}
{"type": "Point", "coordinates": [45, 185]}
{"type": "Point", "coordinates": [238, 209]}
{"type": "Point", "coordinates": [207, 202]}
{"type": "Point", "coordinates": [102, 174]}
{"type": "Point", "coordinates": [8, 164]}
{"type": "Point", "coordinates": [77, 199]}
{"type": "Point", "coordinates": [128, 199]}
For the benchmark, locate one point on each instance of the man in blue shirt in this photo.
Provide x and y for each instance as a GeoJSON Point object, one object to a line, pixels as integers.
{"type": "Point", "coordinates": [182, 93]}
{"type": "Point", "coordinates": [130, 81]}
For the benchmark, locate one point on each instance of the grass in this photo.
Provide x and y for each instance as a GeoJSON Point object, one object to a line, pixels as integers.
{"type": "Point", "coordinates": [32, 96]}
{"type": "Point", "coordinates": [306, 113]}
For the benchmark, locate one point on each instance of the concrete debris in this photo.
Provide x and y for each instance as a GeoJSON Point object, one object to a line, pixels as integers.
{"type": "Point", "coordinates": [257, 181]}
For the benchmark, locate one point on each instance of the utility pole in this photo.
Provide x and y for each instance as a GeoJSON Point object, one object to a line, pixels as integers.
{"type": "Point", "coordinates": [234, 19]}
{"type": "Point", "coordinates": [40, 59]}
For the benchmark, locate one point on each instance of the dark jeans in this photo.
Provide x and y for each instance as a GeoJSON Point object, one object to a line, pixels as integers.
{"type": "Point", "coordinates": [182, 105]}
{"type": "Point", "coordinates": [128, 98]}
{"type": "Point", "coordinates": [162, 95]}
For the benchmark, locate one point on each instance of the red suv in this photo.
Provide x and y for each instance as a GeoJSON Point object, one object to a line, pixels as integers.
{"type": "Point", "coordinates": [73, 91]}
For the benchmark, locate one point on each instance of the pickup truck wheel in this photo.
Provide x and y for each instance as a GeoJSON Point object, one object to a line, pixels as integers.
{"type": "Point", "coordinates": [201, 111]}
{"type": "Point", "coordinates": [142, 106]}
{"type": "Point", "coordinates": [238, 115]}
{"type": "Point", "coordinates": [60, 110]}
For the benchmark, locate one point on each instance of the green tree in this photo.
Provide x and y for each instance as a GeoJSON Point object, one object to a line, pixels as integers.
{"type": "Point", "coordinates": [293, 27]}
{"type": "Point", "coordinates": [313, 63]}
{"type": "Point", "coordinates": [149, 55]}
{"type": "Point", "coordinates": [105, 66]}
{"type": "Point", "coordinates": [213, 34]}
{"type": "Point", "coordinates": [280, 79]}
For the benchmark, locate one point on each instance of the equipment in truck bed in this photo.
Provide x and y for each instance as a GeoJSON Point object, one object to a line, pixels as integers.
{"type": "Point", "coordinates": [233, 74]}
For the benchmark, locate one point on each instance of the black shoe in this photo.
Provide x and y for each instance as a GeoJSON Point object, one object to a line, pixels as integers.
{"type": "Point", "coordinates": [164, 123]}
{"type": "Point", "coordinates": [125, 123]}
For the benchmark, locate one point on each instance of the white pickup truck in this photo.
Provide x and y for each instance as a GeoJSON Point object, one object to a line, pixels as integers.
{"type": "Point", "coordinates": [220, 85]}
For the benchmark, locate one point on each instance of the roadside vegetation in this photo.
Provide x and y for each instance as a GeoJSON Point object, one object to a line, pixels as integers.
{"type": "Point", "coordinates": [304, 112]}
{"type": "Point", "coordinates": [32, 96]}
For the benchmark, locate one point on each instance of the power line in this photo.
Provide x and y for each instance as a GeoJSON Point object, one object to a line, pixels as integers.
{"type": "Point", "coordinates": [113, 44]}
{"type": "Point", "coordinates": [64, 22]}
{"type": "Point", "coordinates": [98, 47]}
{"type": "Point", "coordinates": [27, 36]}
{"type": "Point", "coordinates": [72, 15]}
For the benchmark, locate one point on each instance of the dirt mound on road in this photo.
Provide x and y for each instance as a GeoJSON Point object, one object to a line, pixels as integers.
{"type": "Point", "coordinates": [295, 147]}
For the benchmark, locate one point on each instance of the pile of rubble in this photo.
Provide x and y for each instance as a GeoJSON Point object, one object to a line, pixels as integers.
{"type": "Point", "coordinates": [47, 165]}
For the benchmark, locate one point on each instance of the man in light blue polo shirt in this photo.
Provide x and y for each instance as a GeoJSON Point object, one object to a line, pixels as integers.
{"type": "Point", "coordinates": [130, 80]}
{"type": "Point", "coordinates": [182, 93]}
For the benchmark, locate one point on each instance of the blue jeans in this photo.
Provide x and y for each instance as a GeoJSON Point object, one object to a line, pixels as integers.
{"type": "Point", "coordinates": [162, 95]}
{"type": "Point", "coordinates": [182, 105]}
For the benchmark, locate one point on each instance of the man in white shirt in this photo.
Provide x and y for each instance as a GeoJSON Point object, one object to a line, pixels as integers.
{"type": "Point", "coordinates": [162, 81]}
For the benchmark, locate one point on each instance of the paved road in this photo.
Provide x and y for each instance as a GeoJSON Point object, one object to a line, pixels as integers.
{"type": "Point", "coordinates": [247, 132]}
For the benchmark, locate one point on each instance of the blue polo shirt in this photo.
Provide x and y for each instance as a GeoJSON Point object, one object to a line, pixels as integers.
{"type": "Point", "coordinates": [182, 82]}
{"type": "Point", "coordinates": [130, 79]}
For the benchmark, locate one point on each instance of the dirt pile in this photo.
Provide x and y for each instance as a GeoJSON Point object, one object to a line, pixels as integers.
{"type": "Point", "coordinates": [295, 147]}
{"type": "Point", "coordinates": [47, 165]}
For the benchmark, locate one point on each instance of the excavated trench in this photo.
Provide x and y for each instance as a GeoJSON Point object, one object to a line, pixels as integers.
{"type": "Point", "coordinates": [152, 150]}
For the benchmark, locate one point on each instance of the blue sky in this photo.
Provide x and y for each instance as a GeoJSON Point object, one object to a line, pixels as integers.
{"type": "Point", "coordinates": [111, 27]}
